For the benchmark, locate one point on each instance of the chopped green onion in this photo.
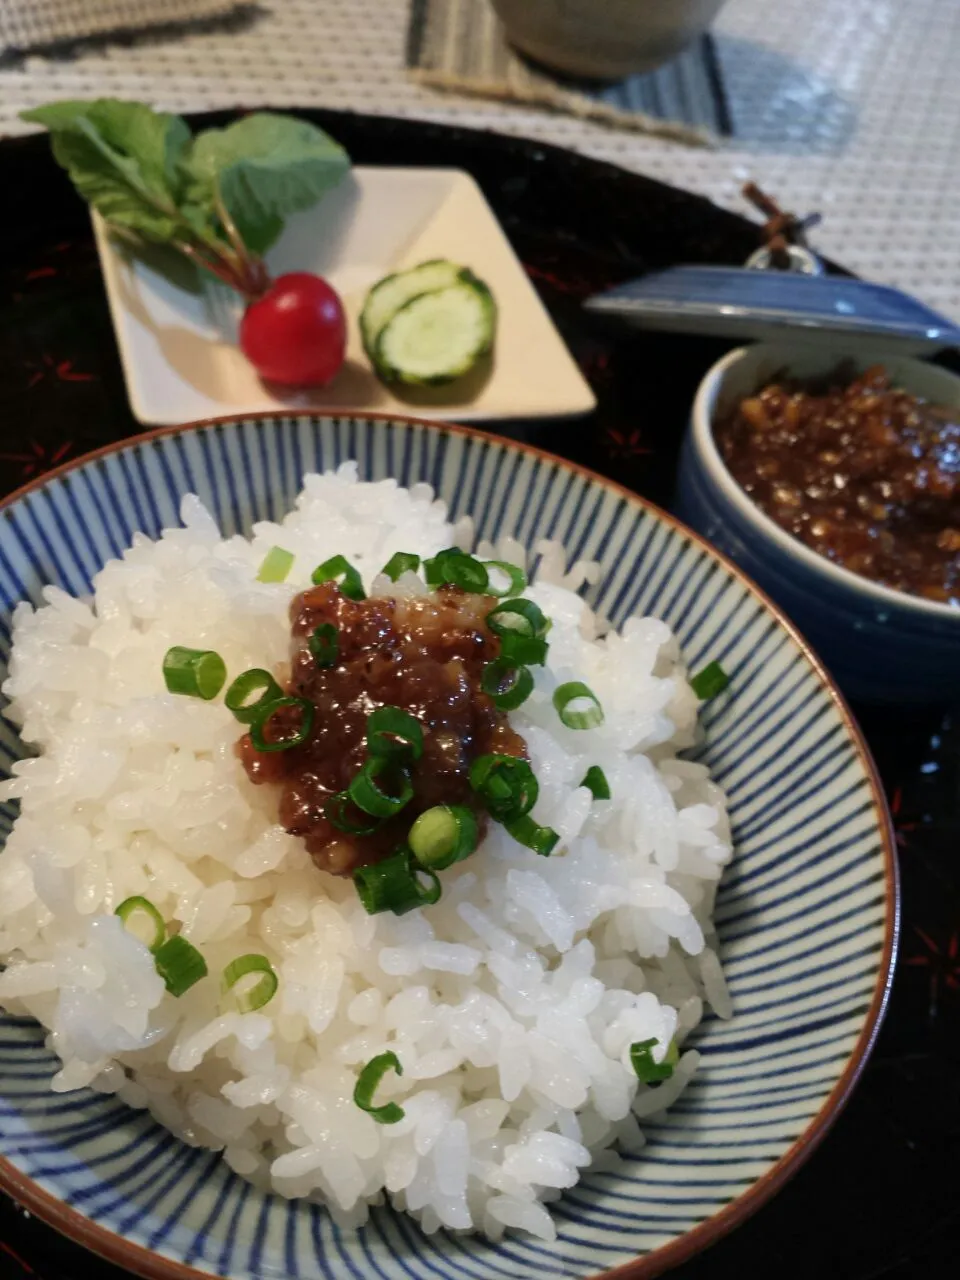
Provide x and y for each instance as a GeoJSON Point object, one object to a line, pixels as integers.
{"type": "Point", "coordinates": [339, 570]}
{"type": "Point", "coordinates": [368, 1082]}
{"type": "Point", "coordinates": [456, 568]}
{"type": "Point", "coordinates": [710, 681]}
{"type": "Point", "coordinates": [324, 645]}
{"type": "Point", "coordinates": [542, 840]}
{"type": "Point", "coordinates": [337, 812]}
{"type": "Point", "coordinates": [506, 784]}
{"type": "Point", "coordinates": [251, 682]}
{"type": "Point", "coordinates": [133, 909]}
{"type": "Point", "coordinates": [253, 995]}
{"type": "Point", "coordinates": [198, 673]}
{"type": "Point", "coordinates": [443, 835]}
{"type": "Point", "coordinates": [277, 563]}
{"type": "Point", "coordinates": [569, 699]}
{"type": "Point", "coordinates": [300, 732]}
{"type": "Point", "coordinates": [596, 780]}
{"type": "Point", "coordinates": [393, 732]}
{"type": "Point", "coordinates": [394, 885]}
{"type": "Point", "coordinates": [401, 562]}
{"type": "Point", "coordinates": [522, 616]}
{"type": "Point", "coordinates": [434, 569]}
{"type": "Point", "coordinates": [648, 1071]}
{"type": "Point", "coordinates": [467, 573]}
{"type": "Point", "coordinates": [373, 799]}
{"type": "Point", "coordinates": [521, 627]}
{"type": "Point", "coordinates": [516, 585]}
{"type": "Point", "coordinates": [505, 684]}
{"type": "Point", "coordinates": [523, 649]}
{"type": "Point", "coordinates": [179, 964]}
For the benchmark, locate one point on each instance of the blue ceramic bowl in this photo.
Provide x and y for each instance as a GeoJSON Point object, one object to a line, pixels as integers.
{"type": "Point", "coordinates": [806, 912]}
{"type": "Point", "coordinates": [880, 645]}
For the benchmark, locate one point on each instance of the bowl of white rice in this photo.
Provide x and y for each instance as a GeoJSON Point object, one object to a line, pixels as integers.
{"type": "Point", "coordinates": [589, 1041]}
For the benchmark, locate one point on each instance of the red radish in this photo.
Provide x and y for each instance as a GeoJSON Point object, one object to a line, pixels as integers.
{"type": "Point", "coordinates": [296, 332]}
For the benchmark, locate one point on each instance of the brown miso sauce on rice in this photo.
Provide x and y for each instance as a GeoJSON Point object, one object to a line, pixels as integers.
{"type": "Point", "coordinates": [424, 655]}
{"type": "Point", "coordinates": [864, 473]}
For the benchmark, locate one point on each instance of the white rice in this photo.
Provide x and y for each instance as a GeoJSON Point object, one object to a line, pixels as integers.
{"type": "Point", "coordinates": [511, 1004]}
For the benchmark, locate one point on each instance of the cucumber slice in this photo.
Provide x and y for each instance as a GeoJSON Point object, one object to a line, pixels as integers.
{"type": "Point", "coordinates": [438, 336]}
{"type": "Point", "coordinates": [393, 292]}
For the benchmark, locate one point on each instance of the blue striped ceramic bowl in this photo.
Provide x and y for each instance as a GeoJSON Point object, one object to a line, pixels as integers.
{"type": "Point", "coordinates": [807, 912]}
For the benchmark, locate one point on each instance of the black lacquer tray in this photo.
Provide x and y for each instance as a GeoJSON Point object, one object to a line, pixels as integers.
{"type": "Point", "coordinates": [881, 1198]}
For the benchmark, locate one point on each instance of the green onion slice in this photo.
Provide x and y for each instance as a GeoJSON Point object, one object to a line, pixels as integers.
{"type": "Point", "coordinates": [367, 794]}
{"type": "Point", "coordinates": [648, 1071]}
{"type": "Point", "coordinates": [324, 645]}
{"type": "Point", "coordinates": [569, 700]}
{"type": "Point", "coordinates": [516, 579]}
{"type": "Point", "coordinates": [277, 563]}
{"type": "Point", "coordinates": [339, 811]}
{"type": "Point", "coordinates": [433, 567]}
{"type": "Point", "coordinates": [542, 840]}
{"type": "Point", "coordinates": [467, 573]}
{"type": "Point", "coordinates": [507, 685]}
{"type": "Point", "coordinates": [596, 780]}
{"type": "Point", "coordinates": [456, 568]}
{"type": "Point", "coordinates": [710, 681]}
{"type": "Point", "coordinates": [443, 835]}
{"type": "Point", "coordinates": [520, 626]}
{"type": "Point", "coordinates": [368, 1082]}
{"type": "Point", "coordinates": [197, 673]}
{"type": "Point", "coordinates": [299, 734]}
{"type": "Point", "coordinates": [522, 616]}
{"type": "Point", "coordinates": [338, 569]}
{"type": "Point", "coordinates": [520, 649]}
{"type": "Point", "coordinates": [180, 965]}
{"type": "Point", "coordinates": [393, 732]}
{"type": "Point", "coordinates": [396, 884]}
{"type": "Point", "coordinates": [401, 562]}
{"type": "Point", "coordinates": [245, 687]}
{"type": "Point", "coordinates": [141, 912]}
{"type": "Point", "coordinates": [506, 785]}
{"type": "Point", "coordinates": [252, 995]}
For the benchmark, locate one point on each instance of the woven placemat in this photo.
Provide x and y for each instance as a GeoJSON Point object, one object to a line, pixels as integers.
{"type": "Point", "coordinates": [838, 105]}
{"type": "Point", "coordinates": [460, 45]}
{"type": "Point", "coordinates": [38, 24]}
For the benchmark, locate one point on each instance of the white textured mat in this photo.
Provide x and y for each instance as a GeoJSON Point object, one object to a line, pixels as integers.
{"type": "Point", "coordinates": [851, 106]}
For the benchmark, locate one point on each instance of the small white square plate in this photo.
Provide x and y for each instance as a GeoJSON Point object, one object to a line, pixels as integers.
{"type": "Point", "coordinates": [178, 341]}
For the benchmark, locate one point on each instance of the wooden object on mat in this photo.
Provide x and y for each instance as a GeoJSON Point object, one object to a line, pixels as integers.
{"type": "Point", "coordinates": [461, 46]}
{"type": "Point", "coordinates": [34, 24]}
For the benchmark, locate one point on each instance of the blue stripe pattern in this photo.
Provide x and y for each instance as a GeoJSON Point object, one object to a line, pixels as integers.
{"type": "Point", "coordinates": [805, 913]}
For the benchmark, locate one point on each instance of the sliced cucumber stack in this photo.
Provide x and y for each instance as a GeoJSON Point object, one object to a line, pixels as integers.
{"type": "Point", "coordinates": [429, 325]}
{"type": "Point", "coordinates": [437, 337]}
{"type": "Point", "coordinates": [391, 293]}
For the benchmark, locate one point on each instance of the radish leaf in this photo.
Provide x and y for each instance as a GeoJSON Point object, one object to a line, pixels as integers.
{"type": "Point", "coordinates": [219, 199]}
{"type": "Point", "coordinates": [265, 167]}
{"type": "Point", "coordinates": [123, 158]}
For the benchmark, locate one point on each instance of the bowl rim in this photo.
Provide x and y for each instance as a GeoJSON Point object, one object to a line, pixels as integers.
{"type": "Point", "coordinates": [702, 414]}
{"type": "Point", "coordinates": [151, 1265]}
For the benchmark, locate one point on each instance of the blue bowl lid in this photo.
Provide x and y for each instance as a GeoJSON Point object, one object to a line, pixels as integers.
{"type": "Point", "coordinates": [736, 302]}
